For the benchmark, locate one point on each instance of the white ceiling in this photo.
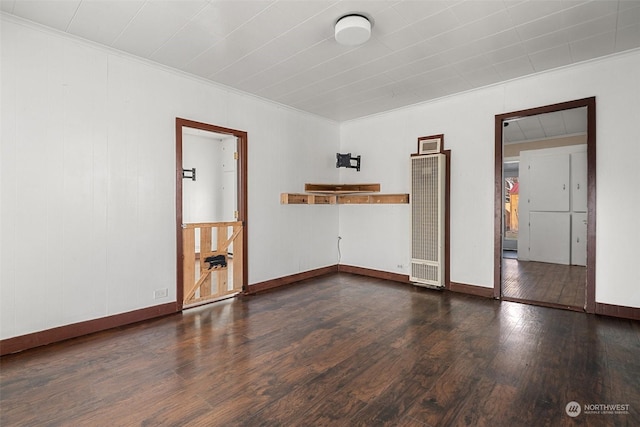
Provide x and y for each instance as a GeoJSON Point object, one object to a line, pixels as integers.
{"type": "Point", "coordinates": [546, 126]}
{"type": "Point", "coordinates": [284, 50]}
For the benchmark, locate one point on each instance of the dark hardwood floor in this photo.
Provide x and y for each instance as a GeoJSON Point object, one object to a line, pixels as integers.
{"type": "Point", "coordinates": [341, 350]}
{"type": "Point", "coordinates": [540, 281]}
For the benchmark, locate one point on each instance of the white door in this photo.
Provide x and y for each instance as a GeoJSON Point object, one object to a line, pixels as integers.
{"type": "Point", "coordinates": [579, 239]}
{"type": "Point", "coordinates": [579, 182]}
{"type": "Point", "coordinates": [550, 237]}
{"type": "Point", "coordinates": [549, 183]}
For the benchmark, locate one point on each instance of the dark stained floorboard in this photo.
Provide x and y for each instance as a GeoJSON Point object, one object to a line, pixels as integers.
{"type": "Point", "coordinates": [544, 282]}
{"type": "Point", "coordinates": [341, 350]}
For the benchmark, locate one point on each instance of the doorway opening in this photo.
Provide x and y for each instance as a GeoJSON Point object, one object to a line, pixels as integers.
{"type": "Point", "coordinates": [211, 212]}
{"type": "Point", "coordinates": [544, 247]}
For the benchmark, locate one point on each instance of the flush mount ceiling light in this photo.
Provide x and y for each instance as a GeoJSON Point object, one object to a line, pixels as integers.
{"type": "Point", "coordinates": [352, 30]}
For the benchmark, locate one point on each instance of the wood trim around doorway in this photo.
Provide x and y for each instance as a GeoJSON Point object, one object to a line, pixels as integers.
{"type": "Point", "coordinates": [242, 138]}
{"type": "Point", "coordinates": [590, 103]}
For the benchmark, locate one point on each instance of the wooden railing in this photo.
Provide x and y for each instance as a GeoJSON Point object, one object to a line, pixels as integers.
{"type": "Point", "coordinates": [215, 238]}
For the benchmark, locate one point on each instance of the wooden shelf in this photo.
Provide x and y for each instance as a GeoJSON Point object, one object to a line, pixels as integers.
{"type": "Point", "coordinates": [306, 199]}
{"type": "Point", "coordinates": [344, 194]}
{"type": "Point", "coordinates": [341, 188]}
{"type": "Point", "coordinates": [344, 199]}
{"type": "Point", "coordinates": [373, 199]}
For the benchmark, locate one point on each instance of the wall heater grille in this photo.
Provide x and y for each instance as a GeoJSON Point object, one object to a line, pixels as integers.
{"type": "Point", "coordinates": [427, 219]}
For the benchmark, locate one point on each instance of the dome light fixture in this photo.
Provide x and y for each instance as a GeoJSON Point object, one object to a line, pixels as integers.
{"type": "Point", "coordinates": [352, 30]}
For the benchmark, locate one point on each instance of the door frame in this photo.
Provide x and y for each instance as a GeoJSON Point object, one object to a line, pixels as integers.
{"type": "Point", "coordinates": [590, 104]}
{"type": "Point", "coordinates": [241, 194]}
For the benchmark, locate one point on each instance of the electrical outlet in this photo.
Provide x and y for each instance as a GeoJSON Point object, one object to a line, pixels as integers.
{"type": "Point", "coordinates": [400, 265]}
{"type": "Point", "coordinates": [160, 293]}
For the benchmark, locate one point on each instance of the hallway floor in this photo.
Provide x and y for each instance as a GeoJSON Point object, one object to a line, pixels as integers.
{"type": "Point", "coordinates": [539, 281]}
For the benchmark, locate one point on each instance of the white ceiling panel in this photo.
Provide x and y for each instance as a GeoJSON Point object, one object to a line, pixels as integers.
{"type": "Point", "coordinates": [452, 39]}
{"type": "Point", "coordinates": [545, 126]}
{"type": "Point", "coordinates": [388, 21]}
{"type": "Point", "coordinates": [455, 55]}
{"type": "Point", "coordinates": [298, 12]}
{"type": "Point", "coordinates": [278, 90]}
{"type": "Point", "coordinates": [155, 23]}
{"type": "Point", "coordinates": [7, 5]}
{"type": "Point", "coordinates": [496, 41]}
{"type": "Point", "coordinates": [345, 91]}
{"type": "Point", "coordinates": [588, 11]}
{"type": "Point", "coordinates": [265, 26]}
{"type": "Point", "coordinates": [289, 44]}
{"type": "Point", "coordinates": [629, 15]}
{"type": "Point", "coordinates": [545, 42]}
{"type": "Point", "coordinates": [356, 80]}
{"type": "Point", "coordinates": [490, 25]}
{"type": "Point", "coordinates": [551, 58]}
{"type": "Point", "coordinates": [224, 17]}
{"type": "Point", "coordinates": [211, 60]}
{"type": "Point", "coordinates": [293, 66]}
{"type": "Point", "coordinates": [591, 47]}
{"type": "Point", "coordinates": [432, 66]}
{"type": "Point", "coordinates": [604, 24]}
{"type": "Point", "coordinates": [243, 68]}
{"type": "Point", "coordinates": [102, 21]}
{"type": "Point", "coordinates": [473, 63]}
{"type": "Point", "coordinates": [540, 27]}
{"type": "Point", "coordinates": [627, 38]}
{"type": "Point", "coordinates": [414, 10]}
{"type": "Point", "coordinates": [506, 53]}
{"type": "Point", "coordinates": [188, 43]}
{"type": "Point", "coordinates": [52, 13]}
{"type": "Point", "coordinates": [284, 50]}
{"type": "Point", "coordinates": [470, 11]}
{"type": "Point", "coordinates": [434, 25]}
{"type": "Point", "coordinates": [512, 133]}
{"type": "Point", "coordinates": [481, 76]}
{"type": "Point", "coordinates": [399, 39]}
{"type": "Point", "coordinates": [515, 67]}
{"type": "Point", "coordinates": [552, 124]}
{"type": "Point", "coordinates": [534, 131]}
{"type": "Point", "coordinates": [423, 51]}
{"type": "Point", "coordinates": [343, 7]}
{"type": "Point", "coordinates": [527, 11]}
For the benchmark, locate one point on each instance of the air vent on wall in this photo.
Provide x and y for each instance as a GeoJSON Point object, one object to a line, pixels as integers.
{"type": "Point", "coordinates": [427, 213]}
{"type": "Point", "coordinates": [429, 146]}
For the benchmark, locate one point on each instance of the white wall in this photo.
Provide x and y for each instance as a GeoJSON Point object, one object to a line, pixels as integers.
{"type": "Point", "coordinates": [87, 191]}
{"type": "Point", "coordinates": [202, 199]}
{"type": "Point", "coordinates": [87, 180]}
{"type": "Point", "coordinates": [385, 142]}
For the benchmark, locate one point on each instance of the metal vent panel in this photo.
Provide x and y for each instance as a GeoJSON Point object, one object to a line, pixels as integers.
{"type": "Point", "coordinates": [427, 218]}
{"type": "Point", "coordinates": [425, 273]}
{"type": "Point", "coordinates": [430, 146]}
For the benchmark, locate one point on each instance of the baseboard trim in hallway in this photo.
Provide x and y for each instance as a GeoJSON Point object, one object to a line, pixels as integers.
{"type": "Point", "coordinates": [632, 313]}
